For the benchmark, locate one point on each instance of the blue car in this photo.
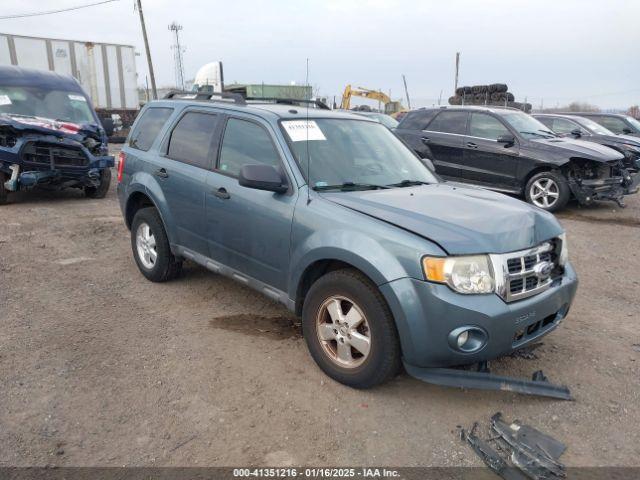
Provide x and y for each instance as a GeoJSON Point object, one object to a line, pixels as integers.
{"type": "Point", "coordinates": [333, 216]}
{"type": "Point", "coordinates": [50, 135]}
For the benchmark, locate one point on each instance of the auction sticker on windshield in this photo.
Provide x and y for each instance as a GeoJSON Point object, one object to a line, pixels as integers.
{"type": "Point", "coordinates": [5, 100]}
{"type": "Point", "coordinates": [78, 98]}
{"type": "Point", "coordinates": [301, 130]}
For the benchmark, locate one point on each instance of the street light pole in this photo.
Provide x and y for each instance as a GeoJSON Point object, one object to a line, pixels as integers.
{"type": "Point", "coordinates": [146, 47]}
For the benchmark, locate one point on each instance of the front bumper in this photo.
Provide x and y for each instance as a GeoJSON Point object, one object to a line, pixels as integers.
{"type": "Point", "coordinates": [611, 188]}
{"type": "Point", "coordinates": [426, 313]}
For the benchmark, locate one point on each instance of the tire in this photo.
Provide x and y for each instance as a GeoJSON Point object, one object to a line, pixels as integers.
{"type": "Point", "coordinates": [101, 190]}
{"type": "Point", "coordinates": [4, 193]}
{"type": "Point", "coordinates": [345, 290]}
{"type": "Point", "coordinates": [165, 266]}
{"type": "Point", "coordinates": [557, 191]}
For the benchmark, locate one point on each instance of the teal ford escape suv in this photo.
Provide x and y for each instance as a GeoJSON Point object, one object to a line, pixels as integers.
{"type": "Point", "coordinates": [332, 215]}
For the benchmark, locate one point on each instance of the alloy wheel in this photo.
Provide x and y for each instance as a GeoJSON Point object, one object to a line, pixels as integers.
{"type": "Point", "coordinates": [343, 332]}
{"type": "Point", "coordinates": [544, 193]}
{"type": "Point", "coordinates": [146, 246]}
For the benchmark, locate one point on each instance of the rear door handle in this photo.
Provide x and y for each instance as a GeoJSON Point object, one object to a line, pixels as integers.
{"type": "Point", "coordinates": [472, 145]}
{"type": "Point", "coordinates": [425, 140]}
{"type": "Point", "coordinates": [162, 173]}
{"type": "Point", "coordinates": [222, 193]}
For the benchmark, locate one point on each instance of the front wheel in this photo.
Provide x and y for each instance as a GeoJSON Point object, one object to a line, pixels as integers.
{"type": "Point", "coordinates": [103, 187]}
{"type": "Point", "coordinates": [548, 190]}
{"type": "Point", "coordinates": [350, 331]}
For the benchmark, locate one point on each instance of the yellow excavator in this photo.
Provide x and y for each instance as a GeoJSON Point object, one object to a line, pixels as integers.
{"type": "Point", "coordinates": [389, 105]}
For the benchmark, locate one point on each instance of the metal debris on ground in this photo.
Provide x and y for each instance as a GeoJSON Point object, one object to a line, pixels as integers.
{"type": "Point", "coordinates": [520, 451]}
{"type": "Point", "coordinates": [527, 353]}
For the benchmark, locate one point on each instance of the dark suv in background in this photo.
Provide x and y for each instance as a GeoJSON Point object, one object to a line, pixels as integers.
{"type": "Point", "coordinates": [586, 129]}
{"type": "Point", "coordinates": [618, 123]}
{"type": "Point", "coordinates": [510, 151]}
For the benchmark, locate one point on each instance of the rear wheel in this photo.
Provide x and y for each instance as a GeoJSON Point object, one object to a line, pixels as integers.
{"type": "Point", "coordinates": [150, 247]}
{"type": "Point", "coordinates": [101, 190]}
{"type": "Point", "coordinates": [350, 331]}
{"type": "Point", "coordinates": [547, 190]}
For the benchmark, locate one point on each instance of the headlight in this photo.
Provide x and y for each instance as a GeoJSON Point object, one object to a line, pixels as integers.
{"type": "Point", "coordinates": [564, 250]}
{"type": "Point", "coordinates": [632, 148]}
{"type": "Point", "coordinates": [467, 274]}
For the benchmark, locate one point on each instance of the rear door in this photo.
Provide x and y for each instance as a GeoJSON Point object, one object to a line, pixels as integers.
{"type": "Point", "coordinates": [487, 162]}
{"type": "Point", "coordinates": [444, 137]}
{"type": "Point", "coordinates": [249, 230]}
{"type": "Point", "coordinates": [190, 150]}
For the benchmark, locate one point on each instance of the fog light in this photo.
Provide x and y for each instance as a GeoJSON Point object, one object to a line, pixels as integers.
{"type": "Point", "coordinates": [468, 339]}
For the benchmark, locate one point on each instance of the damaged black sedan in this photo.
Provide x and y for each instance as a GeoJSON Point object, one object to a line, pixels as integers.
{"type": "Point", "coordinates": [50, 135]}
{"type": "Point", "coordinates": [509, 151]}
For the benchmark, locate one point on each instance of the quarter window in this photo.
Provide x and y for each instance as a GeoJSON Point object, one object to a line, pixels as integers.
{"type": "Point", "coordinates": [450, 122]}
{"type": "Point", "coordinates": [417, 120]}
{"type": "Point", "coordinates": [148, 127]}
{"type": "Point", "coordinates": [246, 143]}
{"type": "Point", "coordinates": [191, 139]}
{"type": "Point", "coordinates": [486, 126]}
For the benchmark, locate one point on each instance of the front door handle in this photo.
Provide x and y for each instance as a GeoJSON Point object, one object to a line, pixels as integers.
{"type": "Point", "coordinates": [472, 145]}
{"type": "Point", "coordinates": [425, 140]}
{"type": "Point", "coordinates": [162, 173]}
{"type": "Point", "coordinates": [222, 193]}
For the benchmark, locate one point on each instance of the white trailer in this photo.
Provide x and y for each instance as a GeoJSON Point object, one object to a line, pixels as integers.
{"type": "Point", "coordinates": [107, 72]}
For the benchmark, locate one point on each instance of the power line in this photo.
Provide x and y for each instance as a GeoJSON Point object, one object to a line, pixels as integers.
{"type": "Point", "coordinates": [50, 12]}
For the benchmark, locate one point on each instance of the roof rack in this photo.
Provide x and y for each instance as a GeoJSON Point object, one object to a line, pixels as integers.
{"type": "Point", "coordinates": [444, 107]}
{"type": "Point", "coordinates": [291, 101]}
{"type": "Point", "coordinates": [236, 97]}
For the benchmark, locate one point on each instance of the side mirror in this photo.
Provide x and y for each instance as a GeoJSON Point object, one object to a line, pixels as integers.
{"type": "Point", "coordinates": [508, 140]}
{"type": "Point", "coordinates": [262, 177]}
{"type": "Point", "coordinates": [576, 132]}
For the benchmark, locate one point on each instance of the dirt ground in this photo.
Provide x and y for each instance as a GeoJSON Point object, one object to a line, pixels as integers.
{"type": "Point", "coordinates": [100, 367]}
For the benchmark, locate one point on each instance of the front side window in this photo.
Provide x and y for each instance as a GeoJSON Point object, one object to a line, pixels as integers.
{"type": "Point", "coordinates": [246, 143]}
{"type": "Point", "coordinates": [191, 139]}
{"type": "Point", "coordinates": [341, 153]}
{"type": "Point", "coordinates": [614, 124]}
{"type": "Point", "coordinates": [148, 127]}
{"type": "Point", "coordinates": [449, 122]}
{"type": "Point", "coordinates": [562, 126]}
{"type": "Point", "coordinates": [486, 126]}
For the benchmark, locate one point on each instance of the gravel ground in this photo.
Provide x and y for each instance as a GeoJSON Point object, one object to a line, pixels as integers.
{"type": "Point", "coordinates": [100, 367]}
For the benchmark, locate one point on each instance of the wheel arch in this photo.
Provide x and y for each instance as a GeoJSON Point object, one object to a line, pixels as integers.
{"type": "Point", "coordinates": [141, 196]}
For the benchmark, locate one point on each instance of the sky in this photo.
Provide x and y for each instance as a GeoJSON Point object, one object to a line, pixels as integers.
{"type": "Point", "coordinates": [549, 52]}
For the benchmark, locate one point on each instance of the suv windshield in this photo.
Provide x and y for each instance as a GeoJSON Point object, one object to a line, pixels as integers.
{"type": "Point", "coordinates": [526, 125]}
{"type": "Point", "coordinates": [634, 122]}
{"type": "Point", "coordinates": [353, 154]}
{"type": "Point", "coordinates": [594, 127]}
{"type": "Point", "coordinates": [46, 103]}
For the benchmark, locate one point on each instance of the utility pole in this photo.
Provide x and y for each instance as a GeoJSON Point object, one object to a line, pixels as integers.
{"type": "Point", "coordinates": [440, 98]}
{"type": "Point", "coordinates": [455, 86]}
{"type": "Point", "coordinates": [406, 91]}
{"type": "Point", "coordinates": [146, 47]}
{"type": "Point", "coordinates": [177, 56]}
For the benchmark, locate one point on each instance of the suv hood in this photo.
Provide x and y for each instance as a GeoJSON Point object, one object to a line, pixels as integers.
{"type": "Point", "coordinates": [621, 139]}
{"type": "Point", "coordinates": [459, 218]}
{"type": "Point", "coordinates": [48, 126]}
{"type": "Point", "coordinates": [577, 148]}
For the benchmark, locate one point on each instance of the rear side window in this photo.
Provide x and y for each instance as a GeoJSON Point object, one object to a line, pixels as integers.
{"type": "Point", "coordinates": [486, 126]}
{"type": "Point", "coordinates": [148, 127]}
{"type": "Point", "coordinates": [246, 143]}
{"type": "Point", "coordinates": [450, 122]}
{"type": "Point", "coordinates": [191, 139]}
{"type": "Point", "coordinates": [417, 120]}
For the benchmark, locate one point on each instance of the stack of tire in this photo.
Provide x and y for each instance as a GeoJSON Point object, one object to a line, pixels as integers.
{"type": "Point", "coordinates": [496, 94]}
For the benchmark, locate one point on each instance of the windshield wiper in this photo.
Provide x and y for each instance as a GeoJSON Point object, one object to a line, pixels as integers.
{"type": "Point", "coordinates": [549, 134]}
{"type": "Point", "coordinates": [350, 186]}
{"type": "Point", "coordinates": [408, 183]}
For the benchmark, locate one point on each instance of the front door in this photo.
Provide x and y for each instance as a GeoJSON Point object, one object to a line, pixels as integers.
{"type": "Point", "coordinates": [487, 162]}
{"type": "Point", "coordinates": [252, 228]}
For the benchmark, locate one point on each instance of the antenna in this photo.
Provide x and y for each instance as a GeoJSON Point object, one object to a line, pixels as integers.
{"type": "Point", "coordinates": [307, 143]}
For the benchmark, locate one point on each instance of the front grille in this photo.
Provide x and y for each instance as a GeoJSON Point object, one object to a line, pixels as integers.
{"type": "Point", "coordinates": [525, 273]}
{"type": "Point", "coordinates": [44, 154]}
